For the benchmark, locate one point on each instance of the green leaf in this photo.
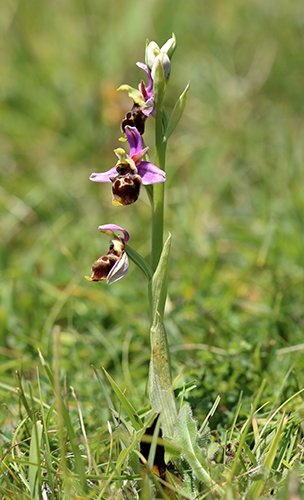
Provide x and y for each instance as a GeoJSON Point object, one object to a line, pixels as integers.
{"type": "Point", "coordinates": [210, 414]}
{"type": "Point", "coordinates": [258, 486]}
{"type": "Point", "coordinates": [79, 464]}
{"type": "Point", "coordinates": [186, 436]}
{"type": "Point", "coordinates": [245, 429]}
{"type": "Point", "coordinates": [47, 448]}
{"type": "Point", "coordinates": [34, 458]}
{"type": "Point", "coordinates": [124, 430]}
{"type": "Point", "coordinates": [160, 387]}
{"type": "Point", "coordinates": [158, 284]}
{"type": "Point", "coordinates": [106, 395]}
{"type": "Point", "coordinates": [177, 113]}
{"type": "Point", "coordinates": [185, 388]}
{"type": "Point", "coordinates": [130, 411]}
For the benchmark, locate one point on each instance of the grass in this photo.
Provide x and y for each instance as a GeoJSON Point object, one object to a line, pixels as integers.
{"type": "Point", "coordinates": [235, 208]}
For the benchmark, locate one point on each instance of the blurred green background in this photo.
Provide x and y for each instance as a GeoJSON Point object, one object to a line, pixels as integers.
{"type": "Point", "coordinates": [234, 199]}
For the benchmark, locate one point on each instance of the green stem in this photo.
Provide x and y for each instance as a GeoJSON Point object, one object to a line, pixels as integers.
{"type": "Point", "coordinates": [157, 223]}
{"type": "Point", "coordinates": [160, 383]}
{"type": "Point", "coordinates": [160, 161]}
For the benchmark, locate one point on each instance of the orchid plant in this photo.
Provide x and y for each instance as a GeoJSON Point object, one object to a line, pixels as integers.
{"type": "Point", "coordinates": [131, 171]}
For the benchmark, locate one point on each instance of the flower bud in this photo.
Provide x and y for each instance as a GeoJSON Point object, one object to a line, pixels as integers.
{"type": "Point", "coordinates": [166, 64]}
{"type": "Point", "coordinates": [169, 47]}
{"type": "Point", "coordinates": [155, 54]}
{"type": "Point", "coordinates": [152, 50]}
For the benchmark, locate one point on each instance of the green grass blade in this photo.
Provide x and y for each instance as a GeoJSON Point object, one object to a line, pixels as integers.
{"type": "Point", "coordinates": [130, 411]}
{"type": "Point", "coordinates": [34, 458]}
{"type": "Point", "coordinates": [79, 464]}
{"type": "Point", "coordinates": [246, 429]}
{"type": "Point", "coordinates": [258, 486]}
{"type": "Point", "coordinates": [236, 415]}
{"type": "Point", "coordinates": [210, 414]}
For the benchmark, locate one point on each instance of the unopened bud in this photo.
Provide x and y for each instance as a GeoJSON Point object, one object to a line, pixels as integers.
{"type": "Point", "coordinates": [166, 64]}
{"type": "Point", "coordinates": [169, 47]}
{"type": "Point", "coordinates": [152, 50]}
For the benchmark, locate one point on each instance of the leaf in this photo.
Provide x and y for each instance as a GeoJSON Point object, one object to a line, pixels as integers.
{"type": "Point", "coordinates": [79, 464]}
{"type": "Point", "coordinates": [34, 458]}
{"type": "Point", "coordinates": [210, 414]}
{"type": "Point", "coordinates": [106, 395]}
{"type": "Point", "coordinates": [185, 388]}
{"type": "Point", "coordinates": [186, 436]}
{"type": "Point", "coordinates": [124, 430]}
{"type": "Point", "coordinates": [160, 387]}
{"type": "Point", "coordinates": [256, 489]}
{"type": "Point", "coordinates": [130, 411]}
{"type": "Point", "coordinates": [245, 429]}
{"type": "Point", "coordinates": [158, 284]}
{"type": "Point", "coordinates": [177, 112]}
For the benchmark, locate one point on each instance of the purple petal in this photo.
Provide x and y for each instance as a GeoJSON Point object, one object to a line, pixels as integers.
{"type": "Point", "coordinates": [114, 227]}
{"type": "Point", "coordinates": [119, 270]}
{"type": "Point", "coordinates": [145, 68]}
{"type": "Point", "coordinates": [104, 176]}
{"type": "Point", "coordinates": [134, 139]}
{"type": "Point", "coordinates": [150, 173]}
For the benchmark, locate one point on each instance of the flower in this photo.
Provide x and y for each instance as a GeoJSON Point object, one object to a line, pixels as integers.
{"type": "Point", "coordinates": [143, 103]}
{"type": "Point", "coordinates": [134, 118]}
{"type": "Point", "coordinates": [144, 96]}
{"type": "Point", "coordinates": [130, 171]}
{"type": "Point", "coordinates": [114, 265]}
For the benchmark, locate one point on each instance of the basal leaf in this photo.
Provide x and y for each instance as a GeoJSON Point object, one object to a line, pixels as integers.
{"type": "Point", "coordinates": [160, 387]}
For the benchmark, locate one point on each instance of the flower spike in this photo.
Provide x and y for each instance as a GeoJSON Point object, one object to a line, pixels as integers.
{"type": "Point", "coordinates": [114, 265]}
{"type": "Point", "coordinates": [130, 171]}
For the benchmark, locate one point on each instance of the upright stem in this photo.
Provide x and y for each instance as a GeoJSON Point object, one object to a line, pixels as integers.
{"type": "Point", "coordinates": [157, 222]}
{"type": "Point", "coordinates": [160, 383]}
{"type": "Point", "coordinates": [159, 160]}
